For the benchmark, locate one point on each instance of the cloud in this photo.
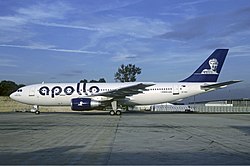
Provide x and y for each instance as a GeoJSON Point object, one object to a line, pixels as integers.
{"type": "Point", "coordinates": [7, 63]}
{"type": "Point", "coordinates": [45, 48]}
{"type": "Point", "coordinates": [191, 29]}
{"type": "Point", "coordinates": [100, 7]}
{"type": "Point", "coordinates": [41, 11]}
{"type": "Point", "coordinates": [216, 26]}
{"type": "Point", "coordinates": [137, 27]}
{"type": "Point", "coordinates": [124, 57]}
{"type": "Point", "coordinates": [237, 21]}
{"type": "Point", "coordinates": [67, 74]}
{"type": "Point", "coordinates": [13, 28]}
{"type": "Point", "coordinates": [240, 51]}
{"type": "Point", "coordinates": [14, 74]}
{"type": "Point", "coordinates": [68, 26]}
{"type": "Point", "coordinates": [119, 32]}
{"type": "Point", "coordinates": [55, 14]}
{"type": "Point", "coordinates": [18, 26]}
{"type": "Point", "coordinates": [35, 13]}
{"type": "Point", "coordinates": [36, 72]}
{"type": "Point", "coordinates": [71, 73]}
{"type": "Point", "coordinates": [11, 22]}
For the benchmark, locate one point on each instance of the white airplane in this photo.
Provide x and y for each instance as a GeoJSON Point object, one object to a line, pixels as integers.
{"type": "Point", "coordinates": [89, 96]}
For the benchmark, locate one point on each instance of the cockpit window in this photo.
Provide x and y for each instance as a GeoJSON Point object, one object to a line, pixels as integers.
{"type": "Point", "coordinates": [19, 90]}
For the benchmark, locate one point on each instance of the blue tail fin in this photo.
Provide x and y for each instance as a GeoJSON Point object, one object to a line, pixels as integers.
{"type": "Point", "coordinates": [209, 71]}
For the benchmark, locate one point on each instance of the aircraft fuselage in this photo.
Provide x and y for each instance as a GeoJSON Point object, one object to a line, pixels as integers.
{"type": "Point", "coordinates": [54, 94]}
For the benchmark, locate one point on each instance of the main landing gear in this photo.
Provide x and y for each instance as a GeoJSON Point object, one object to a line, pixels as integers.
{"type": "Point", "coordinates": [114, 110]}
{"type": "Point", "coordinates": [35, 109]}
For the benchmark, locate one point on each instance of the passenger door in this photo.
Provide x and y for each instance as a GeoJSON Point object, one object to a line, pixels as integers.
{"type": "Point", "coordinates": [176, 90]}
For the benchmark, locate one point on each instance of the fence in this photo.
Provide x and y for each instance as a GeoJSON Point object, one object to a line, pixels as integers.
{"type": "Point", "coordinates": [171, 108]}
{"type": "Point", "coordinates": [220, 109]}
{"type": "Point", "coordinates": [201, 108]}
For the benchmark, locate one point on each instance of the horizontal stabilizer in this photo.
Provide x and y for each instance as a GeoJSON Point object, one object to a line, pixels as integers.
{"type": "Point", "coordinates": [219, 85]}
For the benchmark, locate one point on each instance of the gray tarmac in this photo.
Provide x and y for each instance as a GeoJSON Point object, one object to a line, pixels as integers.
{"type": "Point", "coordinates": [133, 138]}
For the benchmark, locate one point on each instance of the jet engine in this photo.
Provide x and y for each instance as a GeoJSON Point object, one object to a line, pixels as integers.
{"type": "Point", "coordinates": [84, 104]}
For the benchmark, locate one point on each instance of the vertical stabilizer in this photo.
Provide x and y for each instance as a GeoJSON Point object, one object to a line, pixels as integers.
{"type": "Point", "coordinates": [209, 71]}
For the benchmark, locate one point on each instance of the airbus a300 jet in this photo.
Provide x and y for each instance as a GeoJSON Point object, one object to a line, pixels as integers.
{"type": "Point", "coordinates": [89, 96]}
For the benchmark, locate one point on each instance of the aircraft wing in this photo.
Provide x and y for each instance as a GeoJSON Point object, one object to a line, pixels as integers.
{"type": "Point", "coordinates": [125, 91]}
{"type": "Point", "coordinates": [218, 85]}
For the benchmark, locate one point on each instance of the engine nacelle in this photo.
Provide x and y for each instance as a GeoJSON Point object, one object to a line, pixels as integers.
{"type": "Point", "coordinates": [84, 104]}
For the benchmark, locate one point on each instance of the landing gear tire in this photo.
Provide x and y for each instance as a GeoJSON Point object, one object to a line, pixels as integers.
{"type": "Point", "coordinates": [35, 109]}
{"type": "Point", "coordinates": [37, 112]}
{"type": "Point", "coordinates": [118, 112]}
{"type": "Point", "coordinates": [114, 110]}
{"type": "Point", "coordinates": [112, 113]}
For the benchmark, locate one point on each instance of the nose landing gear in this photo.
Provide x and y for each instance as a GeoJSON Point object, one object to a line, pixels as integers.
{"type": "Point", "coordinates": [35, 109]}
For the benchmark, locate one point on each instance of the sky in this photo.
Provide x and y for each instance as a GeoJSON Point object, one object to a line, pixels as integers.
{"type": "Point", "coordinates": [71, 40]}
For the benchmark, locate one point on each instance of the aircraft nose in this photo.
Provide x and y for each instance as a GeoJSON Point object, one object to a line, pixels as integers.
{"type": "Point", "coordinates": [13, 95]}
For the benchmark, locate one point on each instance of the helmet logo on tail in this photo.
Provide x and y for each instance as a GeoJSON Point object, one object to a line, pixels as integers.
{"type": "Point", "coordinates": [213, 63]}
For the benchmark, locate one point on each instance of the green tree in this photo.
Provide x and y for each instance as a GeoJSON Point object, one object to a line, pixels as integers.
{"type": "Point", "coordinates": [7, 87]}
{"type": "Point", "coordinates": [84, 81]}
{"type": "Point", "coordinates": [127, 73]}
{"type": "Point", "coordinates": [101, 80]}
{"type": "Point", "coordinates": [93, 81]}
